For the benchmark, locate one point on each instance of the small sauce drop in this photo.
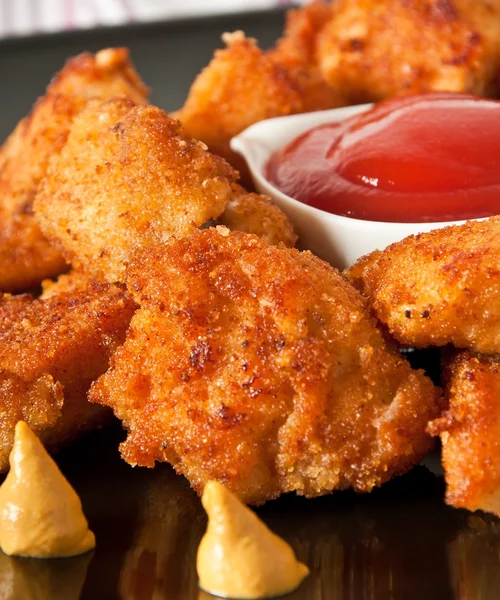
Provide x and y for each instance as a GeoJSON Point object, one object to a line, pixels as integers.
{"type": "Point", "coordinates": [428, 158]}
{"type": "Point", "coordinates": [40, 513]}
{"type": "Point", "coordinates": [239, 557]}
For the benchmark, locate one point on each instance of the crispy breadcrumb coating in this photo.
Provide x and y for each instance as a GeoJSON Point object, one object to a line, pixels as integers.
{"type": "Point", "coordinates": [127, 179]}
{"type": "Point", "coordinates": [25, 255]}
{"type": "Point", "coordinates": [261, 367]}
{"type": "Point", "coordinates": [372, 50]}
{"type": "Point", "coordinates": [241, 86]}
{"type": "Point", "coordinates": [470, 432]}
{"type": "Point", "coordinates": [438, 288]}
{"type": "Point", "coordinates": [257, 214]}
{"type": "Point", "coordinates": [50, 352]}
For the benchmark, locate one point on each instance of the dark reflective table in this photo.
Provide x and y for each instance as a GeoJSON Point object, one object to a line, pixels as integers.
{"type": "Point", "coordinates": [400, 542]}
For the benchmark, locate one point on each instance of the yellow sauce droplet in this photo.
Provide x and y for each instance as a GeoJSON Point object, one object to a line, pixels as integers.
{"type": "Point", "coordinates": [40, 513]}
{"type": "Point", "coordinates": [239, 557]}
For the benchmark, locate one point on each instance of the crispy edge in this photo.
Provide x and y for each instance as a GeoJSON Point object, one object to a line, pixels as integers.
{"type": "Point", "coordinates": [470, 431]}
{"type": "Point", "coordinates": [111, 68]}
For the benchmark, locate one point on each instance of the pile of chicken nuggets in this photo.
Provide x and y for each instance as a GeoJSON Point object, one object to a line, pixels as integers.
{"type": "Point", "coordinates": [141, 273]}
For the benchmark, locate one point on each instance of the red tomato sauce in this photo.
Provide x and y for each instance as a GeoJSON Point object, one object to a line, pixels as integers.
{"type": "Point", "coordinates": [417, 159]}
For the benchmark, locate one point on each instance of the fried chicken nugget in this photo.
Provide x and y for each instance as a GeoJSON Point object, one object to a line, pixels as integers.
{"type": "Point", "coordinates": [470, 432]}
{"type": "Point", "coordinates": [127, 179]}
{"type": "Point", "coordinates": [374, 49]}
{"type": "Point", "coordinates": [261, 367]}
{"type": "Point", "coordinates": [239, 87]}
{"type": "Point", "coordinates": [257, 214]}
{"type": "Point", "coordinates": [50, 352]}
{"type": "Point", "coordinates": [25, 255]}
{"type": "Point", "coordinates": [438, 288]}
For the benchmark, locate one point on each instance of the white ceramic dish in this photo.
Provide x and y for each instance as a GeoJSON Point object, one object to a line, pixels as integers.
{"type": "Point", "coordinates": [339, 240]}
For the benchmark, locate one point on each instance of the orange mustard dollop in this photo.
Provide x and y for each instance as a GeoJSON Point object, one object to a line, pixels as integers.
{"type": "Point", "coordinates": [40, 513]}
{"type": "Point", "coordinates": [239, 557]}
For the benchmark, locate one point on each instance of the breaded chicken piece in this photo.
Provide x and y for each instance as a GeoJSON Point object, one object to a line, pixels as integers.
{"type": "Point", "coordinates": [470, 431]}
{"type": "Point", "coordinates": [296, 51]}
{"type": "Point", "coordinates": [261, 367]}
{"type": "Point", "coordinates": [240, 86]}
{"type": "Point", "coordinates": [50, 352]}
{"type": "Point", "coordinates": [438, 288]}
{"type": "Point", "coordinates": [257, 214]}
{"type": "Point", "coordinates": [25, 255]}
{"type": "Point", "coordinates": [127, 179]}
{"type": "Point", "coordinates": [372, 50]}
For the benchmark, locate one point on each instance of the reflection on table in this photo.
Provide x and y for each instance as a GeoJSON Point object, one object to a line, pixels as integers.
{"type": "Point", "coordinates": [399, 543]}
{"type": "Point", "coordinates": [42, 579]}
{"type": "Point", "coordinates": [474, 558]}
{"type": "Point", "coordinates": [161, 563]}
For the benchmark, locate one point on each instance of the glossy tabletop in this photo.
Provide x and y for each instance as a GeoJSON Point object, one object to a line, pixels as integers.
{"type": "Point", "coordinates": [400, 542]}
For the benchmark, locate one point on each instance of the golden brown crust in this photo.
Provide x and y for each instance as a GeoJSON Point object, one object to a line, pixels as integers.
{"type": "Point", "coordinates": [376, 49]}
{"type": "Point", "coordinates": [127, 179]}
{"type": "Point", "coordinates": [261, 367]}
{"type": "Point", "coordinates": [438, 288]}
{"type": "Point", "coordinates": [240, 86]}
{"type": "Point", "coordinates": [470, 432]}
{"type": "Point", "coordinates": [25, 255]}
{"type": "Point", "coordinates": [50, 352]}
{"type": "Point", "coordinates": [257, 214]}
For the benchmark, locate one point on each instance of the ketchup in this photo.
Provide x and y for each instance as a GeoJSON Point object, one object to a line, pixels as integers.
{"type": "Point", "coordinates": [428, 158]}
